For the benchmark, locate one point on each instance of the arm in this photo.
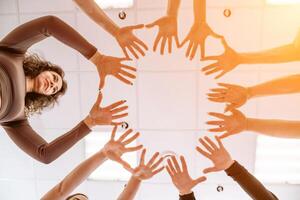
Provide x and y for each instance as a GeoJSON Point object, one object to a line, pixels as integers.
{"type": "Point", "coordinates": [26, 35]}
{"type": "Point", "coordinates": [274, 128]}
{"type": "Point", "coordinates": [35, 146]}
{"type": "Point", "coordinates": [75, 177]}
{"type": "Point", "coordinates": [112, 150]}
{"type": "Point", "coordinates": [173, 7]}
{"type": "Point", "coordinates": [223, 161]}
{"type": "Point", "coordinates": [255, 189]}
{"type": "Point", "coordinates": [130, 189]}
{"type": "Point", "coordinates": [200, 11]}
{"type": "Point", "coordinates": [124, 36]}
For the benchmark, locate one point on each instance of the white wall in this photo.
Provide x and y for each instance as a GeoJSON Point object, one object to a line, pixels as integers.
{"type": "Point", "coordinates": [167, 100]}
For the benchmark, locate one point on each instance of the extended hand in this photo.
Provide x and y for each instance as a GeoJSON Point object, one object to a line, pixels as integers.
{"type": "Point", "coordinates": [127, 40]}
{"type": "Point", "coordinates": [197, 37]}
{"type": "Point", "coordinates": [147, 171]}
{"type": "Point", "coordinates": [225, 62]}
{"type": "Point", "coordinates": [234, 95]}
{"type": "Point", "coordinates": [231, 124]}
{"type": "Point", "coordinates": [167, 30]}
{"type": "Point", "coordinates": [216, 153]}
{"type": "Point", "coordinates": [180, 176]}
{"type": "Point", "coordinates": [114, 149]}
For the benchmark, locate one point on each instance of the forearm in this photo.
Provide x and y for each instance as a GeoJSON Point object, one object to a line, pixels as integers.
{"type": "Point", "coordinates": [275, 128]}
{"type": "Point", "coordinates": [75, 177]}
{"type": "Point", "coordinates": [285, 85]}
{"type": "Point", "coordinates": [199, 11]}
{"type": "Point", "coordinates": [91, 8]}
{"type": "Point", "coordinates": [130, 190]}
{"type": "Point", "coordinates": [173, 7]}
{"type": "Point", "coordinates": [187, 197]}
{"type": "Point", "coordinates": [287, 53]}
{"type": "Point", "coordinates": [249, 183]}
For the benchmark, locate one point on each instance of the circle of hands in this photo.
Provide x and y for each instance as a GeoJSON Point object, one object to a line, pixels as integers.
{"type": "Point", "coordinates": [233, 95]}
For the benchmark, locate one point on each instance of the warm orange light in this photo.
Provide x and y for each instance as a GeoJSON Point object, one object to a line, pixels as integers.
{"type": "Point", "coordinates": [283, 2]}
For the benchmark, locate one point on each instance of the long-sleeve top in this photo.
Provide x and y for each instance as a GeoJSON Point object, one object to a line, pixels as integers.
{"type": "Point", "coordinates": [255, 189]}
{"type": "Point", "coordinates": [12, 53]}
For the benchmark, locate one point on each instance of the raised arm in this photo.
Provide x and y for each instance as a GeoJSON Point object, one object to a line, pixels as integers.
{"type": "Point", "coordinates": [236, 95]}
{"type": "Point", "coordinates": [222, 161]}
{"type": "Point", "coordinates": [124, 36]}
{"type": "Point", "coordinates": [113, 150]}
{"type": "Point", "coordinates": [26, 35]}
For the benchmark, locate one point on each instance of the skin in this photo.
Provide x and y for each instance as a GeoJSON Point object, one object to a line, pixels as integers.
{"type": "Point", "coordinates": [47, 83]}
{"type": "Point", "coordinates": [79, 197]}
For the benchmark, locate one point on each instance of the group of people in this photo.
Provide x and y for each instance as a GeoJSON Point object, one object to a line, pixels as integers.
{"type": "Point", "coordinates": [29, 84]}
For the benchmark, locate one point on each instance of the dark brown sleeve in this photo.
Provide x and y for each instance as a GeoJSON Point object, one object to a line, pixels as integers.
{"type": "Point", "coordinates": [34, 145]}
{"type": "Point", "coordinates": [25, 35]}
{"type": "Point", "coordinates": [187, 197]}
{"type": "Point", "coordinates": [249, 183]}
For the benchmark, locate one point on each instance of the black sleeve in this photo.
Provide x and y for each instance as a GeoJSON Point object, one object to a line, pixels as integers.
{"type": "Point", "coordinates": [187, 197]}
{"type": "Point", "coordinates": [25, 35]}
{"type": "Point", "coordinates": [249, 183]}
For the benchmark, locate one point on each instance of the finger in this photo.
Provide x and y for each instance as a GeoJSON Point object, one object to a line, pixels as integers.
{"type": "Point", "coordinates": [206, 145]}
{"type": "Point", "coordinates": [202, 152]}
{"type": "Point", "coordinates": [132, 138]}
{"type": "Point", "coordinates": [171, 167]}
{"type": "Point", "coordinates": [211, 143]}
{"type": "Point", "coordinates": [142, 159]}
{"type": "Point", "coordinates": [169, 171]}
{"type": "Point", "coordinates": [202, 49]}
{"type": "Point", "coordinates": [183, 164]}
{"type": "Point", "coordinates": [140, 42]}
{"type": "Point", "coordinates": [125, 52]}
{"type": "Point", "coordinates": [230, 107]}
{"type": "Point", "coordinates": [119, 116]}
{"type": "Point", "coordinates": [157, 163]}
{"type": "Point", "coordinates": [212, 71]}
{"type": "Point", "coordinates": [219, 141]}
{"type": "Point", "coordinates": [177, 41]}
{"type": "Point", "coordinates": [217, 129]}
{"type": "Point", "coordinates": [99, 99]}
{"type": "Point", "coordinates": [125, 164]}
{"type": "Point", "coordinates": [195, 47]}
{"type": "Point", "coordinates": [102, 82]}
{"type": "Point", "coordinates": [200, 180]}
{"type": "Point", "coordinates": [117, 110]}
{"type": "Point", "coordinates": [215, 95]}
{"type": "Point", "coordinates": [218, 123]}
{"type": "Point", "coordinates": [210, 58]}
{"type": "Point", "coordinates": [225, 135]}
{"type": "Point", "coordinates": [209, 67]}
{"type": "Point", "coordinates": [114, 105]}
{"type": "Point", "coordinates": [113, 133]}
{"type": "Point", "coordinates": [219, 100]}
{"type": "Point", "coordinates": [219, 90]}
{"type": "Point", "coordinates": [184, 41]}
{"type": "Point", "coordinates": [221, 74]}
{"type": "Point", "coordinates": [227, 85]}
{"type": "Point", "coordinates": [136, 47]}
{"type": "Point", "coordinates": [210, 169]}
{"type": "Point", "coordinates": [170, 44]}
{"type": "Point", "coordinates": [174, 160]}
{"type": "Point", "coordinates": [158, 170]}
{"type": "Point", "coordinates": [124, 80]}
{"type": "Point", "coordinates": [123, 72]}
{"type": "Point", "coordinates": [116, 123]}
{"type": "Point", "coordinates": [136, 148]}
{"type": "Point", "coordinates": [224, 42]}
{"type": "Point", "coordinates": [138, 26]}
{"type": "Point", "coordinates": [218, 115]}
{"type": "Point", "coordinates": [151, 25]}
{"type": "Point", "coordinates": [132, 52]}
{"type": "Point", "coordinates": [157, 39]}
{"type": "Point", "coordinates": [189, 49]}
{"type": "Point", "coordinates": [128, 67]}
{"type": "Point", "coordinates": [124, 135]}
{"type": "Point", "coordinates": [214, 34]}
{"type": "Point", "coordinates": [151, 161]}
{"type": "Point", "coordinates": [163, 44]}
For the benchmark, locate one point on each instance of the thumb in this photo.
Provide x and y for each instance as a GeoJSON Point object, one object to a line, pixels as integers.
{"type": "Point", "coordinates": [151, 25]}
{"type": "Point", "coordinates": [229, 107]}
{"type": "Point", "coordinates": [138, 26]}
{"type": "Point", "coordinates": [200, 179]}
{"type": "Point", "coordinates": [102, 81]}
{"type": "Point", "coordinates": [99, 98]}
{"type": "Point", "coordinates": [209, 170]}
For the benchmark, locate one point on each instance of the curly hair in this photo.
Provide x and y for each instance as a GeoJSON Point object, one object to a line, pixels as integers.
{"type": "Point", "coordinates": [74, 195]}
{"type": "Point", "coordinates": [33, 65]}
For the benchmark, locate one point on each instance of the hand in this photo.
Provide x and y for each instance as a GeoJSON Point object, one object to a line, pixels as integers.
{"type": "Point", "coordinates": [167, 30]}
{"type": "Point", "coordinates": [217, 154]}
{"type": "Point", "coordinates": [147, 171]}
{"type": "Point", "coordinates": [107, 65]}
{"type": "Point", "coordinates": [114, 149]}
{"type": "Point", "coordinates": [180, 176]}
{"type": "Point", "coordinates": [225, 62]}
{"type": "Point", "coordinates": [127, 40]}
{"type": "Point", "coordinates": [106, 115]}
{"type": "Point", "coordinates": [235, 95]}
{"type": "Point", "coordinates": [197, 37]}
{"type": "Point", "coordinates": [231, 124]}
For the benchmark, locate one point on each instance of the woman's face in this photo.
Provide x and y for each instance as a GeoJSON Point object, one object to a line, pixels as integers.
{"type": "Point", "coordinates": [79, 197]}
{"type": "Point", "coordinates": [48, 83]}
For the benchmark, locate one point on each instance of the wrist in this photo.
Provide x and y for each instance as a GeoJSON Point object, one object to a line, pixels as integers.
{"type": "Point", "coordinates": [89, 121]}
{"type": "Point", "coordinates": [185, 192]}
{"type": "Point", "coordinates": [229, 164]}
{"type": "Point", "coordinates": [96, 58]}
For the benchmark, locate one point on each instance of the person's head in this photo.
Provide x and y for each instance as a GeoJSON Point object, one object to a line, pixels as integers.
{"type": "Point", "coordinates": [78, 196]}
{"type": "Point", "coordinates": [48, 83]}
